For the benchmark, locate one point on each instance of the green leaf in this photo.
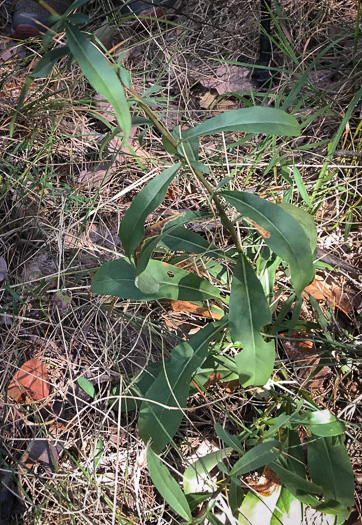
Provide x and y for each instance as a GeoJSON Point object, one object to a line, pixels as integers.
{"type": "Point", "coordinates": [182, 240]}
{"type": "Point", "coordinates": [197, 475]}
{"type": "Point", "coordinates": [259, 456]}
{"type": "Point", "coordinates": [283, 234]}
{"type": "Point", "coordinates": [46, 63]}
{"type": "Point", "coordinates": [257, 119]}
{"type": "Point", "coordinates": [235, 494]}
{"type": "Point", "coordinates": [228, 439]}
{"type": "Point", "coordinates": [132, 229]}
{"type": "Point", "coordinates": [320, 422]}
{"type": "Point", "coordinates": [305, 220]}
{"type": "Point", "coordinates": [288, 509]}
{"type": "Point", "coordinates": [330, 467]}
{"type": "Point", "coordinates": [158, 231]}
{"type": "Point", "coordinates": [167, 486]}
{"type": "Point", "coordinates": [176, 283]}
{"type": "Point", "coordinates": [249, 311]}
{"type": "Point", "coordinates": [118, 278]}
{"type": "Point", "coordinates": [221, 364]}
{"type": "Point", "coordinates": [157, 422]}
{"type": "Point", "coordinates": [295, 483]}
{"type": "Point", "coordinates": [98, 452]}
{"type": "Point", "coordinates": [87, 387]}
{"type": "Point", "coordinates": [100, 74]}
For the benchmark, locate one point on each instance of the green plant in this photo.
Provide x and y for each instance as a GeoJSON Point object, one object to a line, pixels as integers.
{"type": "Point", "coordinates": [288, 237]}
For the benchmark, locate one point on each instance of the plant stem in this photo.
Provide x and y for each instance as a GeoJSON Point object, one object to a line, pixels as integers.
{"type": "Point", "coordinates": [47, 7]}
{"type": "Point", "coordinates": [198, 174]}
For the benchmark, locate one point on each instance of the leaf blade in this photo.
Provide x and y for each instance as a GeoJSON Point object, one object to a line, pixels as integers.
{"type": "Point", "coordinates": [100, 74]}
{"type": "Point", "coordinates": [170, 390]}
{"type": "Point", "coordinates": [286, 237]}
{"type": "Point", "coordinates": [249, 311]}
{"type": "Point", "coordinates": [131, 231]}
{"type": "Point", "coordinates": [167, 486]}
{"type": "Point", "coordinates": [259, 456]}
{"type": "Point", "coordinates": [257, 119]}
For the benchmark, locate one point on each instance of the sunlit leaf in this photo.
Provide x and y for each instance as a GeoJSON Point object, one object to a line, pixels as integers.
{"type": "Point", "coordinates": [99, 72]}
{"type": "Point", "coordinates": [249, 311]}
{"type": "Point", "coordinates": [167, 486]}
{"type": "Point", "coordinates": [159, 422]}
{"type": "Point", "coordinates": [197, 476]}
{"type": "Point", "coordinates": [132, 229]}
{"type": "Point", "coordinates": [287, 237]}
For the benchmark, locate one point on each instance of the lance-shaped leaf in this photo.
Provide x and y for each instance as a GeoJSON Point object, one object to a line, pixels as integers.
{"type": "Point", "coordinates": [167, 486]}
{"type": "Point", "coordinates": [155, 233]}
{"type": "Point", "coordinates": [330, 467]}
{"type": "Point", "coordinates": [156, 422]}
{"type": "Point", "coordinates": [281, 232]}
{"type": "Point", "coordinates": [99, 72]}
{"type": "Point", "coordinates": [46, 63]}
{"type": "Point", "coordinates": [257, 119]}
{"type": "Point", "coordinates": [197, 476]}
{"type": "Point", "coordinates": [249, 311]}
{"type": "Point", "coordinates": [259, 456]}
{"type": "Point", "coordinates": [159, 281]}
{"type": "Point", "coordinates": [132, 229]}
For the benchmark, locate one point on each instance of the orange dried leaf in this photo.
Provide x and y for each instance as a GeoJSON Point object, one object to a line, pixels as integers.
{"type": "Point", "coordinates": [214, 378]}
{"type": "Point", "coordinates": [323, 291]}
{"type": "Point", "coordinates": [30, 383]}
{"type": "Point", "coordinates": [264, 233]}
{"type": "Point", "coordinates": [186, 306]}
{"type": "Point", "coordinates": [267, 484]}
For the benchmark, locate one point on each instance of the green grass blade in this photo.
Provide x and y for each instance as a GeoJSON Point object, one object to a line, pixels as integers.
{"type": "Point", "coordinates": [284, 235]}
{"type": "Point", "coordinates": [99, 72]}
{"type": "Point", "coordinates": [249, 311]}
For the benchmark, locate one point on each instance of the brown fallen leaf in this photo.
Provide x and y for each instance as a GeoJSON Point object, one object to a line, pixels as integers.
{"type": "Point", "coordinates": [187, 307]}
{"type": "Point", "coordinates": [206, 100]}
{"type": "Point", "coordinates": [302, 352]}
{"type": "Point", "coordinates": [330, 292]}
{"type": "Point", "coordinates": [30, 383]}
{"type": "Point", "coordinates": [229, 78]}
{"type": "Point", "coordinates": [44, 453]}
{"type": "Point", "coordinates": [267, 484]}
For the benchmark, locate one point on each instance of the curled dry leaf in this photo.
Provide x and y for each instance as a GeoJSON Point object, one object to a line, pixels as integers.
{"type": "Point", "coordinates": [267, 484]}
{"type": "Point", "coordinates": [30, 383]}
{"type": "Point", "coordinates": [43, 452]}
